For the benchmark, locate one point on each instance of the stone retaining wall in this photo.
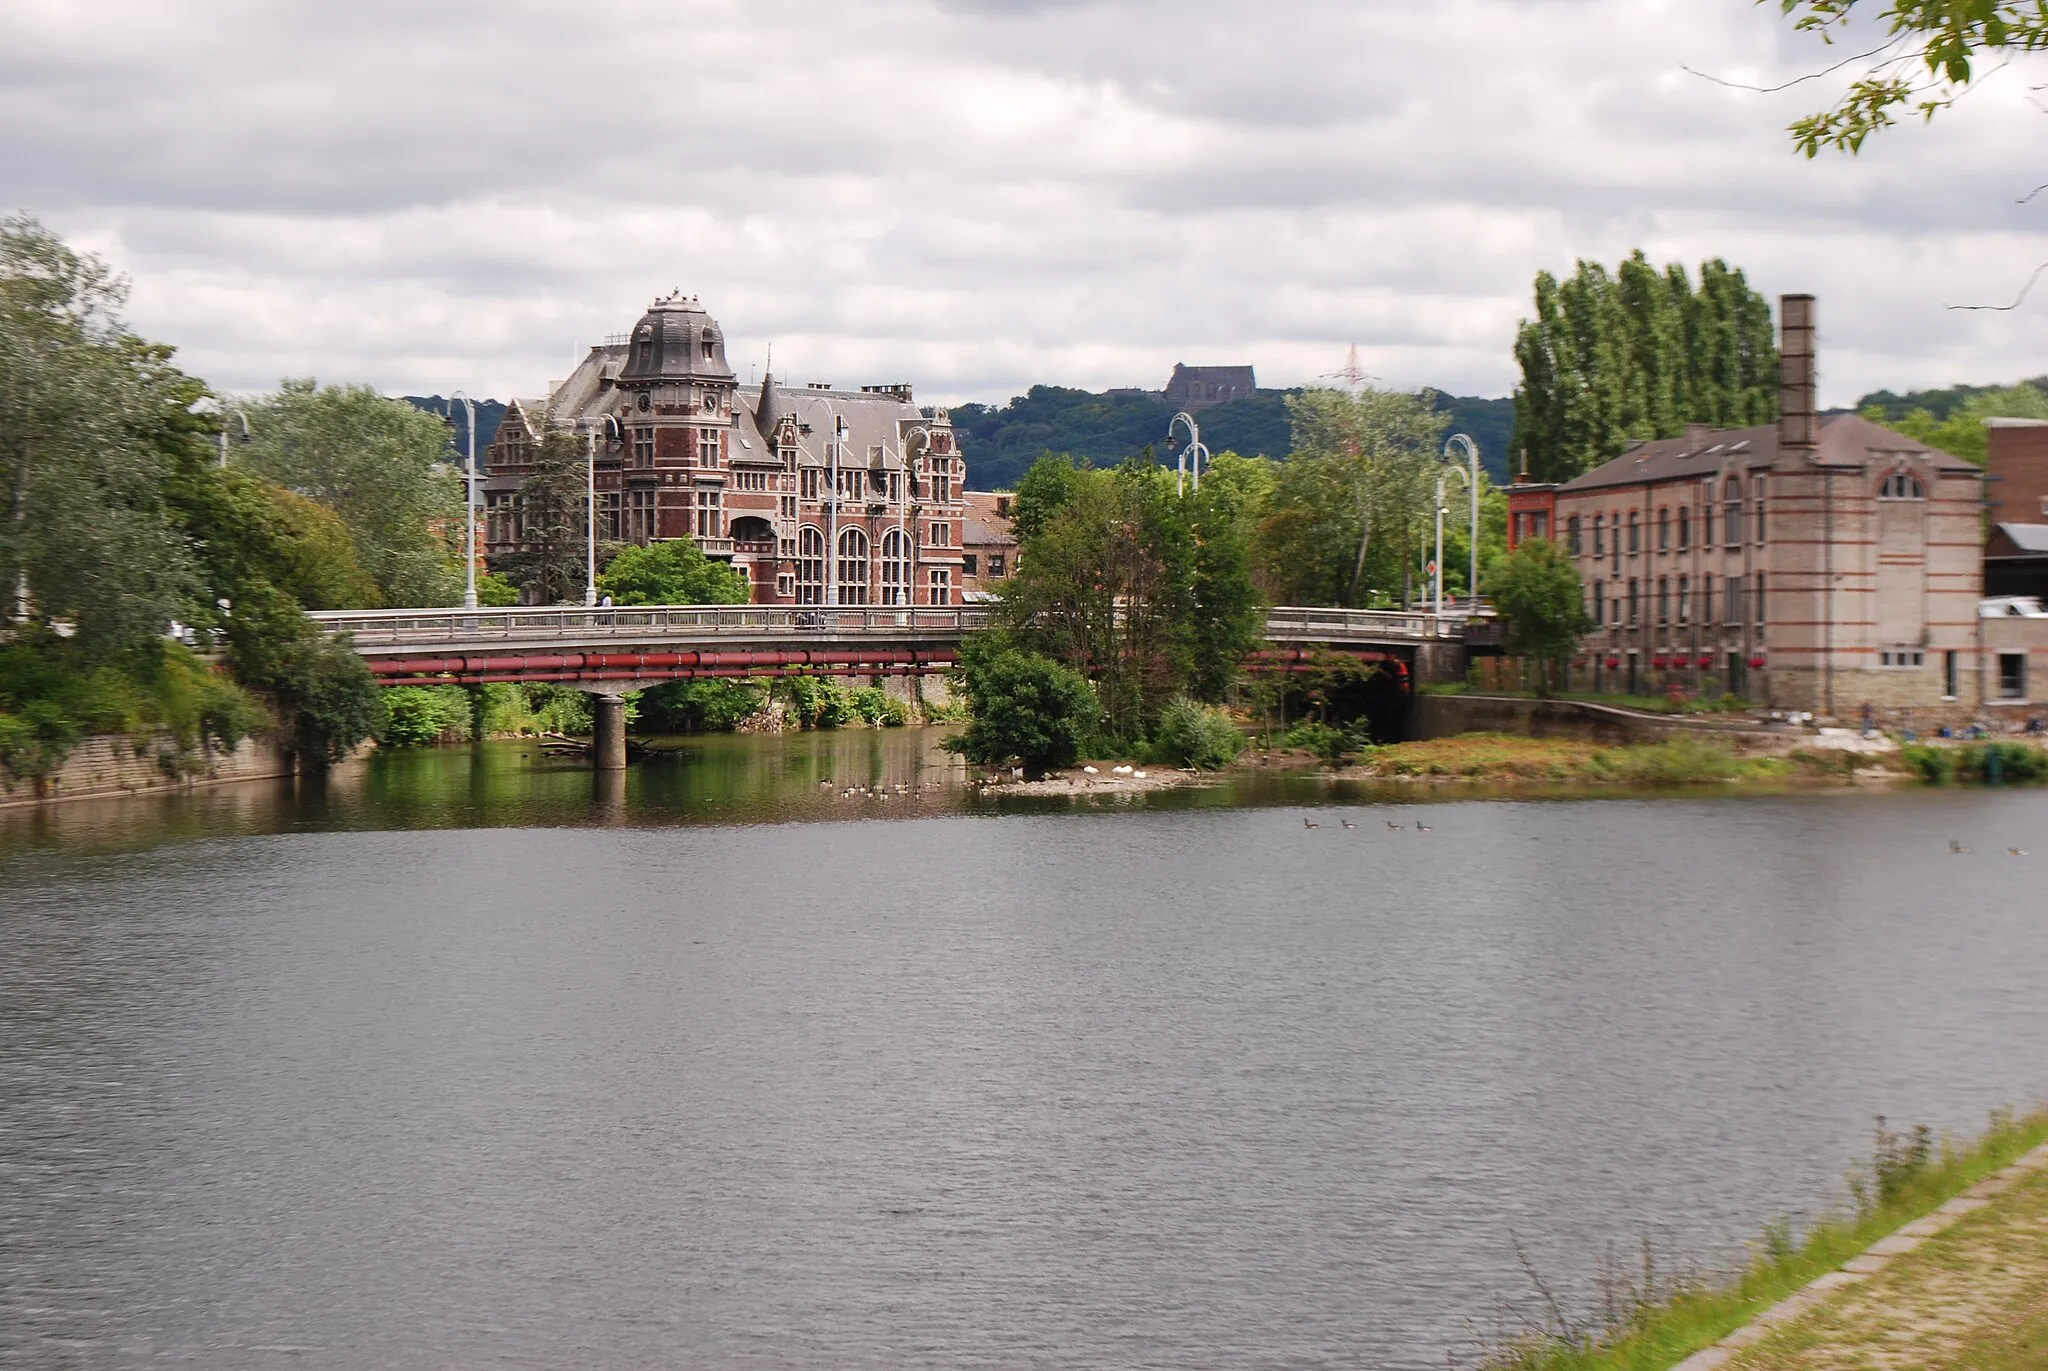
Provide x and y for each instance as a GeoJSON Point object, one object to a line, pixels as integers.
{"type": "Point", "coordinates": [120, 765]}
{"type": "Point", "coordinates": [1443, 716]}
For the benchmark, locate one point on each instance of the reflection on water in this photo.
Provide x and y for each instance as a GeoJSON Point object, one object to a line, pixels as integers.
{"type": "Point", "coordinates": [472, 1059]}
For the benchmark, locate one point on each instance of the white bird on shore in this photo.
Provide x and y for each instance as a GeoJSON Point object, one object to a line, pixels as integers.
{"type": "Point", "coordinates": [1089, 770]}
{"type": "Point", "coordinates": [1137, 775]}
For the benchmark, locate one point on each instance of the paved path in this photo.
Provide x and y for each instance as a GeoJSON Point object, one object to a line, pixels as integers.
{"type": "Point", "coordinates": [1964, 1289]}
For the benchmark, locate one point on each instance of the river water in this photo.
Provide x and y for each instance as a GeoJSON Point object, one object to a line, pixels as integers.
{"type": "Point", "coordinates": [466, 1061]}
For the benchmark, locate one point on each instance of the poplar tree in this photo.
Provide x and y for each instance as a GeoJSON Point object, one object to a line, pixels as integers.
{"type": "Point", "coordinates": [1610, 359]}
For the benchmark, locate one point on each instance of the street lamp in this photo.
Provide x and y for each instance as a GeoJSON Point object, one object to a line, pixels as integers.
{"type": "Point", "coordinates": [1192, 456]}
{"type": "Point", "coordinates": [612, 434]}
{"type": "Point", "coordinates": [904, 541]}
{"type": "Point", "coordinates": [1438, 565]}
{"type": "Point", "coordinates": [1464, 440]}
{"type": "Point", "coordinates": [208, 405]}
{"type": "Point", "coordinates": [469, 501]}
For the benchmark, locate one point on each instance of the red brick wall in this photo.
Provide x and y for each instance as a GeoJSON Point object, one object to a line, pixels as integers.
{"type": "Point", "coordinates": [2019, 468]}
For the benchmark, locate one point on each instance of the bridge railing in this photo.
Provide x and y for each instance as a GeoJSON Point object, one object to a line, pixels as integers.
{"type": "Point", "coordinates": [372, 626]}
{"type": "Point", "coordinates": [1296, 622]}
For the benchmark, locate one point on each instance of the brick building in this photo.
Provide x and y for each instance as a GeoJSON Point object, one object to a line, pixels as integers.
{"type": "Point", "coordinates": [989, 547]}
{"type": "Point", "coordinates": [820, 496]}
{"type": "Point", "coordinates": [1816, 563]}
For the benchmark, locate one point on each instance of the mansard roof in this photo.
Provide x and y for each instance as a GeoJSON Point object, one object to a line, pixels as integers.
{"type": "Point", "coordinates": [676, 340]}
{"type": "Point", "coordinates": [1845, 440]}
{"type": "Point", "coordinates": [874, 420]}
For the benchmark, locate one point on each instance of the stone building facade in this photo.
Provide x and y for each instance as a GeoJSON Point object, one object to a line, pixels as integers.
{"type": "Point", "coordinates": [820, 496]}
{"type": "Point", "coordinates": [1194, 388]}
{"type": "Point", "coordinates": [1818, 563]}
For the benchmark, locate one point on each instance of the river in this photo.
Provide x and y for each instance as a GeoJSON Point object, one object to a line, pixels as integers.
{"type": "Point", "coordinates": [467, 1060]}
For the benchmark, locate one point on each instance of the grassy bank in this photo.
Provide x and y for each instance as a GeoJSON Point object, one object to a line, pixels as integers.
{"type": "Point", "coordinates": [1641, 704]}
{"type": "Point", "coordinates": [1651, 1328]}
{"type": "Point", "coordinates": [1678, 761]}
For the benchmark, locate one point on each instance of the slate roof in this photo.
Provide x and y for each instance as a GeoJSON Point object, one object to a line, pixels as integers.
{"type": "Point", "coordinates": [2027, 540]}
{"type": "Point", "coordinates": [1845, 439]}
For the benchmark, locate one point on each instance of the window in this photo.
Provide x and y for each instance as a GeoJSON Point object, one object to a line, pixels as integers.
{"type": "Point", "coordinates": [942, 586]}
{"type": "Point", "coordinates": [813, 481]}
{"type": "Point", "coordinates": [785, 585]}
{"type": "Point", "coordinates": [787, 506]}
{"type": "Point", "coordinates": [1571, 536]}
{"type": "Point", "coordinates": [1731, 512]}
{"type": "Point", "coordinates": [643, 447]}
{"type": "Point", "coordinates": [1707, 523]}
{"type": "Point", "coordinates": [853, 566]}
{"type": "Point", "coordinates": [1950, 678]}
{"type": "Point", "coordinates": [707, 448]}
{"type": "Point", "coordinates": [1539, 524]}
{"type": "Point", "coordinates": [1663, 601]}
{"type": "Point", "coordinates": [942, 490]}
{"type": "Point", "coordinates": [1759, 598]}
{"type": "Point", "coordinates": [1684, 528]}
{"type": "Point", "coordinates": [640, 516]}
{"type": "Point", "coordinates": [608, 515]}
{"type": "Point", "coordinates": [1631, 602]}
{"type": "Point", "coordinates": [710, 343]}
{"type": "Point", "coordinates": [942, 535]}
{"type": "Point", "coordinates": [709, 522]}
{"type": "Point", "coordinates": [750, 480]}
{"type": "Point", "coordinates": [1663, 530]}
{"type": "Point", "coordinates": [1635, 534]}
{"type": "Point", "coordinates": [1706, 599]}
{"type": "Point", "coordinates": [1599, 602]}
{"type": "Point", "coordinates": [970, 564]}
{"type": "Point", "coordinates": [1900, 485]}
{"type": "Point", "coordinates": [810, 567]}
{"type": "Point", "coordinates": [1902, 656]}
{"type": "Point", "coordinates": [1685, 599]}
{"type": "Point", "coordinates": [2012, 675]}
{"type": "Point", "coordinates": [995, 566]}
{"type": "Point", "coordinates": [1599, 535]}
{"type": "Point", "coordinates": [895, 567]}
{"type": "Point", "coordinates": [1758, 490]}
{"type": "Point", "coordinates": [1731, 601]}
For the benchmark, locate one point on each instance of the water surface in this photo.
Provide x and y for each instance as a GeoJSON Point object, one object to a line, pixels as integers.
{"type": "Point", "coordinates": [481, 1064]}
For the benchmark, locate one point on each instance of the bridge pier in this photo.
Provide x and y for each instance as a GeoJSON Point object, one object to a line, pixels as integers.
{"type": "Point", "coordinates": [608, 738]}
{"type": "Point", "coordinates": [1439, 663]}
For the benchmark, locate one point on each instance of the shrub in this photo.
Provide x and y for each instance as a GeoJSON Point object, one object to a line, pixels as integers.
{"type": "Point", "coordinates": [416, 716]}
{"type": "Point", "coordinates": [1199, 736]}
{"type": "Point", "coordinates": [1023, 706]}
{"type": "Point", "coordinates": [874, 705]}
{"type": "Point", "coordinates": [1934, 765]}
{"type": "Point", "coordinates": [817, 701]}
{"type": "Point", "coordinates": [1325, 740]}
{"type": "Point", "coordinates": [712, 705]}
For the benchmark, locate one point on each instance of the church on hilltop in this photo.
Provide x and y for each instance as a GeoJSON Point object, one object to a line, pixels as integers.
{"type": "Point", "coordinates": [820, 496]}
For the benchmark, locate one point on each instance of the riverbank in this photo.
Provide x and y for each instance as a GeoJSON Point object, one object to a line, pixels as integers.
{"type": "Point", "coordinates": [1682, 760]}
{"type": "Point", "coordinates": [1905, 1192]}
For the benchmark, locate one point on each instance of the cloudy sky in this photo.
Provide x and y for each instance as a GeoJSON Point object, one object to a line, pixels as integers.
{"type": "Point", "coordinates": [975, 195]}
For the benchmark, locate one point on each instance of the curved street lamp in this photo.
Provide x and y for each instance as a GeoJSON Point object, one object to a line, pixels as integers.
{"type": "Point", "coordinates": [469, 500]}
{"type": "Point", "coordinates": [1461, 440]}
{"type": "Point", "coordinates": [1438, 565]}
{"type": "Point", "coordinates": [1192, 456]}
{"type": "Point", "coordinates": [613, 433]}
{"type": "Point", "coordinates": [207, 404]}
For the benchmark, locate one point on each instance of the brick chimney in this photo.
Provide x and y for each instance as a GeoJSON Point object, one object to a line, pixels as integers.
{"type": "Point", "coordinates": [1798, 430]}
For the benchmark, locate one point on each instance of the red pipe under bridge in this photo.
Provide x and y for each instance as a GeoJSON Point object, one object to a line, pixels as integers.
{"type": "Point", "coordinates": [671, 642]}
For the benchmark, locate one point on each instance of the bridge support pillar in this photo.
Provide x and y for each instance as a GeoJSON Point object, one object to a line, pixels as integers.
{"type": "Point", "coordinates": [1439, 663]}
{"type": "Point", "coordinates": [608, 740]}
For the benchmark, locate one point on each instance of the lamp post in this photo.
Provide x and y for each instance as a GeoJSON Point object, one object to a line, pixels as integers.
{"type": "Point", "coordinates": [1438, 565]}
{"type": "Point", "coordinates": [468, 501]}
{"type": "Point", "coordinates": [1463, 440]}
{"type": "Point", "coordinates": [1192, 456]}
{"type": "Point", "coordinates": [832, 515]}
{"type": "Point", "coordinates": [209, 405]}
{"type": "Point", "coordinates": [904, 541]}
{"type": "Point", "coordinates": [610, 425]}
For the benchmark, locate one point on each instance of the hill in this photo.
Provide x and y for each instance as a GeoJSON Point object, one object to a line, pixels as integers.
{"type": "Point", "coordinates": [1940, 403]}
{"type": "Point", "coordinates": [1000, 444]}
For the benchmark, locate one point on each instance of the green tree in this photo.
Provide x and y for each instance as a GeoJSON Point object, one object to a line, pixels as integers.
{"type": "Point", "coordinates": [549, 565]}
{"type": "Point", "coordinates": [1963, 432]}
{"type": "Point", "coordinates": [1929, 62]}
{"type": "Point", "coordinates": [1538, 592]}
{"type": "Point", "coordinates": [1609, 360]}
{"type": "Point", "coordinates": [92, 421]}
{"type": "Point", "coordinates": [1359, 483]}
{"type": "Point", "coordinates": [376, 462]}
{"type": "Point", "coordinates": [496, 591]}
{"type": "Point", "coordinates": [1228, 609]}
{"type": "Point", "coordinates": [675, 572]}
{"type": "Point", "coordinates": [1023, 706]}
{"type": "Point", "coordinates": [1045, 489]}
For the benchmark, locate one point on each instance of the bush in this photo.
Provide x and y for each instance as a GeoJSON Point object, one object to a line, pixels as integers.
{"type": "Point", "coordinates": [1325, 740]}
{"type": "Point", "coordinates": [817, 701]}
{"type": "Point", "coordinates": [874, 705]}
{"type": "Point", "coordinates": [417, 716]}
{"type": "Point", "coordinates": [1024, 706]}
{"type": "Point", "coordinates": [1199, 736]}
{"type": "Point", "coordinates": [712, 705]}
{"type": "Point", "coordinates": [1982, 763]}
{"type": "Point", "coordinates": [1934, 765]}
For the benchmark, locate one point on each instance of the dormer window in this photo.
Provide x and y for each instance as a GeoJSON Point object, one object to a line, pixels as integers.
{"type": "Point", "coordinates": [710, 343]}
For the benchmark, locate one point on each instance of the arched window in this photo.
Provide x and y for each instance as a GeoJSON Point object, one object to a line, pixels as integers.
{"type": "Point", "coordinates": [853, 567]}
{"type": "Point", "coordinates": [895, 568]}
{"type": "Point", "coordinates": [1731, 512]}
{"type": "Point", "coordinates": [810, 566]}
{"type": "Point", "coordinates": [1900, 485]}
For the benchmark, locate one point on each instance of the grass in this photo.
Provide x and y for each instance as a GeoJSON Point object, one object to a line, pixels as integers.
{"type": "Point", "coordinates": [1507, 756]}
{"type": "Point", "coordinates": [1641, 704]}
{"type": "Point", "coordinates": [1648, 1328]}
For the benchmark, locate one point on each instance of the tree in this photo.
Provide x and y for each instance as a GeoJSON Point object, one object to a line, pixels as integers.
{"type": "Point", "coordinates": [1360, 481]}
{"type": "Point", "coordinates": [549, 565]}
{"type": "Point", "coordinates": [1024, 706]}
{"type": "Point", "coordinates": [379, 464]}
{"type": "Point", "coordinates": [672, 573]}
{"type": "Point", "coordinates": [92, 421]}
{"type": "Point", "coordinates": [1538, 592]}
{"type": "Point", "coordinates": [1612, 359]}
{"type": "Point", "coordinates": [1229, 611]}
{"type": "Point", "coordinates": [1963, 433]}
{"type": "Point", "coordinates": [1926, 65]}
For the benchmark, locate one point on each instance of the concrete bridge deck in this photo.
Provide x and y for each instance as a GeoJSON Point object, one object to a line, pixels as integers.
{"type": "Point", "coordinates": [663, 642]}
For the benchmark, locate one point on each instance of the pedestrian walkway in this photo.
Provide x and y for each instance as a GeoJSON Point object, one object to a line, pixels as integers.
{"type": "Point", "coordinates": [1965, 1289]}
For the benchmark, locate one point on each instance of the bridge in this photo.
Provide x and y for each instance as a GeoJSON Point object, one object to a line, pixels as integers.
{"type": "Point", "coordinates": [615, 647]}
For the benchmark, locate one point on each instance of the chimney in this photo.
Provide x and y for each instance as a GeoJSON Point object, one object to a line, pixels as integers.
{"type": "Point", "coordinates": [1797, 428]}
